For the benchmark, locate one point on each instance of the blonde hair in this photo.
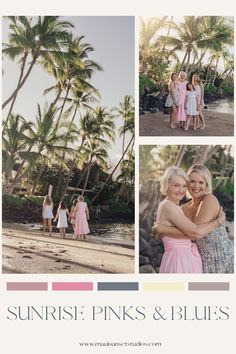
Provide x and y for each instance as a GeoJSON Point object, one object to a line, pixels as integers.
{"type": "Point", "coordinates": [168, 174]}
{"type": "Point", "coordinates": [183, 73]}
{"type": "Point", "coordinates": [205, 173]}
{"type": "Point", "coordinates": [196, 79]}
{"type": "Point", "coordinates": [47, 200]}
{"type": "Point", "coordinates": [80, 198]}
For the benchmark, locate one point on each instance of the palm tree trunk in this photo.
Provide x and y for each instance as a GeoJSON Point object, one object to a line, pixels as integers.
{"type": "Point", "coordinates": [18, 83]}
{"type": "Point", "coordinates": [37, 179]}
{"type": "Point", "coordinates": [126, 175]}
{"type": "Point", "coordinates": [188, 61]}
{"type": "Point", "coordinates": [62, 107]}
{"type": "Point", "coordinates": [182, 64]}
{"type": "Point", "coordinates": [78, 183]}
{"type": "Point", "coordinates": [200, 60]}
{"type": "Point", "coordinates": [216, 66]}
{"type": "Point", "coordinates": [180, 155]}
{"type": "Point", "coordinates": [15, 92]}
{"type": "Point", "coordinates": [72, 166]}
{"type": "Point", "coordinates": [115, 168]}
{"type": "Point", "coordinates": [87, 175]}
{"type": "Point", "coordinates": [65, 146]}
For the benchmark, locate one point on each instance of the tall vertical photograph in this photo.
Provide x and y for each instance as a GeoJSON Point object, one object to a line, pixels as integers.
{"type": "Point", "coordinates": [68, 144]}
{"type": "Point", "coordinates": [186, 76]}
{"type": "Point", "coordinates": [186, 209]}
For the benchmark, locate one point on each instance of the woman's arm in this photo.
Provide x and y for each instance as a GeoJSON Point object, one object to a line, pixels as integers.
{"type": "Point", "coordinates": [172, 92]}
{"type": "Point", "coordinates": [208, 209]}
{"type": "Point", "coordinates": [172, 231]}
{"type": "Point", "coordinates": [87, 212]}
{"type": "Point", "coordinates": [202, 93]}
{"type": "Point", "coordinates": [186, 101]}
{"type": "Point", "coordinates": [178, 219]}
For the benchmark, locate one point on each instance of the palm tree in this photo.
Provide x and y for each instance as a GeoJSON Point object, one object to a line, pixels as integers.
{"type": "Point", "coordinates": [125, 110]}
{"type": "Point", "coordinates": [33, 41]}
{"type": "Point", "coordinates": [94, 151]}
{"type": "Point", "coordinates": [15, 143]}
{"type": "Point", "coordinates": [147, 37]}
{"type": "Point", "coordinates": [81, 100]}
{"type": "Point", "coordinates": [127, 127]}
{"type": "Point", "coordinates": [72, 70]}
{"type": "Point", "coordinates": [50, 138]}
{"type": "Point", "coordinates": [126, 177]}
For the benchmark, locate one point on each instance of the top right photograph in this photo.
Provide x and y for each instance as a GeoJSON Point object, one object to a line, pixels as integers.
{"type": "Point", "coordinates": [186, 76]}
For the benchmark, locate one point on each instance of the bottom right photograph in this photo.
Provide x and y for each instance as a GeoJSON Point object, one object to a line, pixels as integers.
{"type": "Point", "coordinates": [186, 209]}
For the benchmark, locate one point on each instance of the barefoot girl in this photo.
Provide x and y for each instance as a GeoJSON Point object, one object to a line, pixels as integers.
{"type": "Point", "coordinates": [199, 87]}
{"type": "Point", "coordinates": [173, 99]}
{"type": "Point", "coordinates": [62, 213]}
{"type": "Point", "coordinates": [47, 214]}
{"type": "Point", "coordinates": [191, 106]}
{"type": "Point", "coordinates": [72, 214]}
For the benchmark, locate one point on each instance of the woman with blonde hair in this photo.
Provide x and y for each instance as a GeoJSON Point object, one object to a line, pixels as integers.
{"type": "Point", "coordinates": [172, 100]}
{"type": "Point", "coordinates": [181, 254]}
{"type": "Point", "coordinates": [47, 214]}
{"type": "Point", "coordinates": [181, 112]}
{"type": "Point", "coordinates": [215, 248]}
{"type": "Point", "coordinates": [199, 87]}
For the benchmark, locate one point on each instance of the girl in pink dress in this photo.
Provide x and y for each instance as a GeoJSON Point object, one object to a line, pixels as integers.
{"type": "Point", "coordinates": [81, 217]}
{"type": "Point", "coordinates": [181, 254]}
{"type": "Point", "coordinates": [181, 113]}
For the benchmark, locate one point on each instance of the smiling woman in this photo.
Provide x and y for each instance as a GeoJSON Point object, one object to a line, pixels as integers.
{"type": "Point", "coordinates": [181, 255]}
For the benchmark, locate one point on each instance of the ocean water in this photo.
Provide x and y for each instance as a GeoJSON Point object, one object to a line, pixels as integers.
{"type": "Point", "coordinates": [225, 105]}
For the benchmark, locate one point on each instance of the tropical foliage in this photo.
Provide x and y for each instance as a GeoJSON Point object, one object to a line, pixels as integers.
{"type": "Point", "coordinates": [202, 44]}
{"type": "Point", "coordinates": [67, 143]}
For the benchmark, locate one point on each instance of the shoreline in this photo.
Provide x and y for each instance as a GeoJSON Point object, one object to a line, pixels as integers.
{"type": "Point", "coordinates": [29, 252]}
{"type": "Point", "coordinates": [217, 124]}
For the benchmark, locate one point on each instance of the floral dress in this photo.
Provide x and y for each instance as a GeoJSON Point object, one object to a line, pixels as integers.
{"type": "Point", "coordinates": [217, 252]}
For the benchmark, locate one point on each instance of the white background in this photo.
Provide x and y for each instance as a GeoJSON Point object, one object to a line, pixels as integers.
{"type": "Point", "coordinates": [176, 336]}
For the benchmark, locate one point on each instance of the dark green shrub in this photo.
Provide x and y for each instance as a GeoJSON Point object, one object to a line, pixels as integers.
{"type": "Point", "coordinates": [145, 83]}
{"type": "Point", "coordinates": [12, 200]}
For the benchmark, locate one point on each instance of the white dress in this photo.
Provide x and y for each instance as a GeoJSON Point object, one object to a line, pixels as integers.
{"type": "Point", "coordinates": [62, 218]}
{"type": "Point", "coordinates": [199, 95]}
{"type": "Point", "coordinates": [191, 103]}
{"type": "Point", "coordinates": [47, 211]}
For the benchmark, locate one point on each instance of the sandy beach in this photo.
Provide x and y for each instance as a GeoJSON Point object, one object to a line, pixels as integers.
{"type": "Point", "coordinates": [29, 252]}
{"type": "Point", "coordinates": [217, 124]}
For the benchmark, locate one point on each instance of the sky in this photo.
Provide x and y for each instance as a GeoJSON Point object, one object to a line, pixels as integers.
{"type": "Point", "coordinates": [112, 38]}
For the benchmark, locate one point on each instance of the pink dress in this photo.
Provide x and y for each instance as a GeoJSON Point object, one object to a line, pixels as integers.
{"type": "Point", "coordinates": [181, 114]}
{"type": "Point", "coordinates": [181, 255]}
{"type": "Point", "coordinates": [81, 223]}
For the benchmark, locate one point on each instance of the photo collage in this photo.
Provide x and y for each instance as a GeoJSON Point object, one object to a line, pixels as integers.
{"type": "Point", "coordinates": [117, 145]}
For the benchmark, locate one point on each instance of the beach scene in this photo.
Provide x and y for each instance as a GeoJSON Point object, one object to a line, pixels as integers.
{"type": "Point", "coordinates": [68, 144]}
{"type": "Point", "coordinates": [201, 50]}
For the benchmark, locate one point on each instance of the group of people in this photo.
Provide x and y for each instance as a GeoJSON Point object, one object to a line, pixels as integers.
{"type": "Point", "coordinates": [186, 100]}
{"type": "Point", "coordinates": [78, 216]}
{"type": "Point", "coordinates": [194, 235]}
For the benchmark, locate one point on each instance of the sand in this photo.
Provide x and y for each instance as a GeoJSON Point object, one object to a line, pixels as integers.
{"type": "Point", "coordinates": [217, 124]}
{"type": "Point", "coordinates": [29, 252]}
